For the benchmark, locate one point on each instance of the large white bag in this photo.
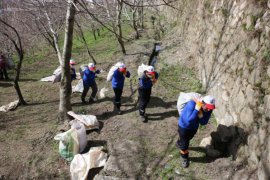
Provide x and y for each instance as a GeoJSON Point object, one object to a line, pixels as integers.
{"type": "Point", "coordinates": [113, 68]}
{"type": "Point", "coordinates": [57, 75]}
{"type": "Point", "coordinates": [81, 132]}
{"type": "Point", "coordinates": [69, 144]}
{"type": "Point", "coordinates": [78, 88]}
{"type": "Point", "coordinates": [82, 163]}
{"type": "Point", "coordinates": [141, 70]}
{"type": "Point", "coordinates": [184, 98]}
{"type": "Point", "coordinates": [90, 122]}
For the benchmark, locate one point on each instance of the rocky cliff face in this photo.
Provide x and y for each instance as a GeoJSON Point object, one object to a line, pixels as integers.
{"type": "Point", "coordinates": [229, 41]}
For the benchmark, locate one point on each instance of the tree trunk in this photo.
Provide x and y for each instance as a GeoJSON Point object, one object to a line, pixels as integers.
{"type": "Point", "coordinates": [119, 25]}
{"type": "Point", "coordinates": [16, 80]}
{"type": "Point", "coordinates": [135, 27]}
{"type": "Point", "coordinates": [98, 32]}
{"type": "Point", "coordinates": [65, 86]}
{"type": "Point", "coordinates": [94, 33]}
{"type": "Point", "coordinates": [18, 46]}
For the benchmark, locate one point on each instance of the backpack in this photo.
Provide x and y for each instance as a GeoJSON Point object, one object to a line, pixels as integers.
{"type": "Point", "coordinates": [184, 98]}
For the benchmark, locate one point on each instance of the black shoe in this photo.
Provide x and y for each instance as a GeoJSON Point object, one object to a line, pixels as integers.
{"type": "Point", "coordinates": [91, 100]}
{"type": "Point", "coordinates": [143, 118]}
{"type": "Point", "coordinates": [83, 101]}
{"type": "Point", "coordinates": [185, 163]}
{"type": "Point", "coordinates": [119, 112]}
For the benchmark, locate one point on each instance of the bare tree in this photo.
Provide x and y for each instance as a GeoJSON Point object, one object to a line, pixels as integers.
{"type": "Point", "coordinates": [109, 15]}
{"type": "Point", "coordinates": [85, 43]}
{"type": "Point", "coordinates": [16, 41]}
{"type": "Point", "coordinates": [65, 87]}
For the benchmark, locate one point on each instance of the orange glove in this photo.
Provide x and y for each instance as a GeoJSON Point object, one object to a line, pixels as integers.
{"type": "Point", "coordinates": [198, 105]}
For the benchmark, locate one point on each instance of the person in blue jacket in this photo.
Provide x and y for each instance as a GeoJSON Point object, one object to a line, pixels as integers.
{"type": "Point", "coordinates": [118, 80]}
{"type": "Point", "coordinates": [89, 81]}
{"type": "Point", "coordinates": [195, 112]}
{"type": "Point", "coordinates": [72, 69]}
{"type": "Point", "coordinates": [145, 88]}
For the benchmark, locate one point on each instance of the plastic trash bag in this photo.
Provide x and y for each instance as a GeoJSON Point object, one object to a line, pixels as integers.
{"type": "Point", "coordinates": [81, 132]}
{"type": "Point", "coordinates": [69, 144]}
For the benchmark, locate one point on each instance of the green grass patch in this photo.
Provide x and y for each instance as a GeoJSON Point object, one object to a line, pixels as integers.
{"type": "Point", "coordinates": [179, 79]}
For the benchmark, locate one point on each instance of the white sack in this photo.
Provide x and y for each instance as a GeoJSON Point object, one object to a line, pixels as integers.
{"type": "Point", "coordinates": [184, 98]}
{"type": "Point", "coordinates": [78, 88]}
{"type": "Point", "coordinates": [90, 122]}
{"type": "Point", "coordinates": [81, 132]}
{"type": "Point", "coordinates": [113, 68]}
{"type": "Point", "coordinates": [10, 106]}
{"type": "Point", "coordinates": [82, 163]}
{"type": "Point", "coordinates": [141, 70]}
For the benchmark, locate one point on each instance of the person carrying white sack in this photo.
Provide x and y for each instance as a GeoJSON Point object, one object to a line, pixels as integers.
{"type": "Point", "coordinates": [149, 77]}
{"type": "Point", "coordinates": [196, 112]}
{"type": "Point", "coordinates": [118, 80]}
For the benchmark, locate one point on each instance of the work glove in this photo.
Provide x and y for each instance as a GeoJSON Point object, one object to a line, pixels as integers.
{"type": "Point", "coordinates": [97, 71]}
{"type": "Point", "coordinates": [200, 114]}
{"type": "Point", "coordinates": [198, 105]}
{"type": "Point", "coordinates": [127, 74]}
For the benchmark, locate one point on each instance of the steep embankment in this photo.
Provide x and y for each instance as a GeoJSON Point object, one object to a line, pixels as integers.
{"type": "Point", "coordinates": [229, 43]}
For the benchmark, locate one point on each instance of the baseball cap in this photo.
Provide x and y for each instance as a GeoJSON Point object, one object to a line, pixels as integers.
{"type": "Point", "coordinates": [209, 102]}
{"type": "Point", "coordinates": [122, 67]}
{"type": "Point", "coordinates": [150, 70]}
{"type": "Point", "coordinates": [91, 66]}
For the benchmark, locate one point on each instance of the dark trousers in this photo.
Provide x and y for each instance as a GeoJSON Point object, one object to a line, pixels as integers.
{"type": "Point", "coordinates": [144, 98]}
{"type": "Point", "coordinates": [86, 89]}
{"type": "Point", "coordinates": [185, 135]}
{"type": "Point", "coordinates": [117, 98]}
{"type": "Point", "coordinates": [3, 72]}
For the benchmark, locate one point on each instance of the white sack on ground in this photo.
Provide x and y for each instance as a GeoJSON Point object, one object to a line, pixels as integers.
{"type": "Point", "coordinates": [81, 132]}
{"type": "Point", "coordinates": [113, 68]}
{"type": "Point", "coordinates": [56, 77]}
{"type": "Point", "coordinates": [89, 121]}
{"type": "Point", "coordinates": [102, 93]}
{"type": "Point", "coordinates": [78, 88]}
{"type": "Point", "coordinates": [11, 106]}
{"type": "Point", "coordinates": [82, 163]}
{"type": "Point", "coordinates": [184, 98]}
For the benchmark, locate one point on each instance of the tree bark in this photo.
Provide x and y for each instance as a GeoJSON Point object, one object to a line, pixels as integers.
{"type": "Point", "coordinates": [65, 85]}
{"type": "Point", "coordinates": [119, 25]}
{"type": "Point", "coordinates": [19, 49]}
